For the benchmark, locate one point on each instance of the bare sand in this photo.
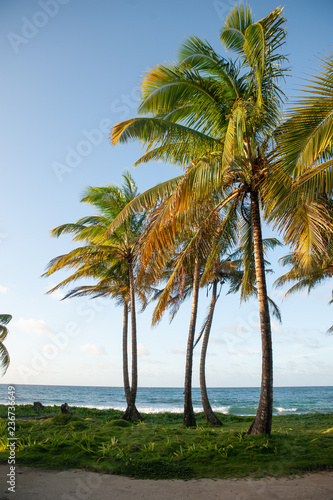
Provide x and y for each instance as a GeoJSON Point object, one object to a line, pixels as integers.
{"type": "Point", "coordinates": [37, 484]}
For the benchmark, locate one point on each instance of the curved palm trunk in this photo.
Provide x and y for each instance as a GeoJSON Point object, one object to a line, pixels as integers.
{"type": "Point", "coordinates": [189, 417]}
{"type": "Point", "coordinates": [209, 414]}
{"type": "Point", "coordinates": [263, 419]}
{"type": "Point", "coordinates": [127, 387]}
{"type": "Point", "coordinates": [131, 411]}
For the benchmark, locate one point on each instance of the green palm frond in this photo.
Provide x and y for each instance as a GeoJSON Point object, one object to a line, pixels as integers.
{"type": "Point", "coordinates": [145, 201]}
{"type": "Point", "coordinates": [105, 257]}
{"type": "Point", "coordinates": [5, 319]}
{"type": "Point", "coordinates": [258, 44]}
{"type": "Point", "coordinates": [4, 355]}
{"type": "Point", "coordinates": [199, 55]}
{"type": "Point", "coordinates": [305, 227]}
{"type": "Point", "coordinates": [3, 332]}
{"type": "Point", "coordinates": [198, 245]}
{"type": "Point", "coordinates": [232, 34]}
{"type": "Point", "coordinates": [161, 133]}
{"type": "Point", "coordinates": [165, 89]}
{"type": "Point", "coordinates": [4, 358]}
{"type": "Point", "coordinates": [275, 309]}
{"type": "Point", "coordinates": [308, 132]}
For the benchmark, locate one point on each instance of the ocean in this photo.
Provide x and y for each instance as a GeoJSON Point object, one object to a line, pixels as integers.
{"type": "Point", "coordinates": [236, 401]}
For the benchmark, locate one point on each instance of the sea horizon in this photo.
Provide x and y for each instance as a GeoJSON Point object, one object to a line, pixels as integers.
{"type": "Point", "coordinates": [165, 387]}
{"type": "Point", "coordinates": [226, 400]}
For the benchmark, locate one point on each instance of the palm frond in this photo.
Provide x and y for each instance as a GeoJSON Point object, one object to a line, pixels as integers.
{"type": "Point", "coordinates": [4, 358]}
{"type": "Point", "coordinates": [233, 31]}
{"type": "Point", "coordinates": [5, 319]}
{"type": "Point", "coordinates": [308, 131]}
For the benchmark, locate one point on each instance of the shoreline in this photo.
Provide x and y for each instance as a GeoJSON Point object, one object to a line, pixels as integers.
{"type": "Point", "coordinates": [277, 411]}
{"type": "Point", "coordinates": [43, 484]}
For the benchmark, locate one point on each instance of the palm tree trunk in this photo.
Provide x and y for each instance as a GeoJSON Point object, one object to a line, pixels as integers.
{"type": "Point", "coordinates": [209, 414]}
{"type": "Point", "coordinates": [189, 417]}
{"type": "Point", "coordinates": [127, 387]}
{"type": "Point", "coordinates": [131, 412]}
{"type": "Point", "coordinates": [263, 419]}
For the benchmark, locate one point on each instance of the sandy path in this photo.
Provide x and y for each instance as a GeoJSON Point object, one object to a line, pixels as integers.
{"type": "Point", "coordinates": [36, 484]}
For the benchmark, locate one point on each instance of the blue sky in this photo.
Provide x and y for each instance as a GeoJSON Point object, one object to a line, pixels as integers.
{"type": "Point", "coordinates": [71, 69]}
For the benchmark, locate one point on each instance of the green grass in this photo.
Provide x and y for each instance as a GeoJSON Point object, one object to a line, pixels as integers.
{"type": "Point", "coordinates": [161, 447]}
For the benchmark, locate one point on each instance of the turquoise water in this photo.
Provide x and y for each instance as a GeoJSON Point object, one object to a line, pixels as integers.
{"type": "Point", "coordinates": [236, 401]}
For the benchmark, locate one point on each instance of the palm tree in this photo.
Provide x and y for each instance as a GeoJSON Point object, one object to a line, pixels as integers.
{"type": "Point", "coordinates": [4, 355]}
{"type": "Point", "coordinates": [109, 258]}
{"type": "Point", "coordinates": [111, 283]}
{"type": "Point", "coordinates": [185, 259]}
{"type": "Point", "coordinates": [217, 116]}
{"type": "Point", "coordinates": [218, 273]}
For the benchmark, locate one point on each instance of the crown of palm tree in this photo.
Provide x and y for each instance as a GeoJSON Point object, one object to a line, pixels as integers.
{"type": "Point", "coordinates": [104, 256]}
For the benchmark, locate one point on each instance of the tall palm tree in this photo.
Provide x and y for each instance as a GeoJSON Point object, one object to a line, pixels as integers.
{"type": "Point", "coordinates": [218, 273]}
{"type": "Point", "coordinates": [217, 116]}
{"type": "Point", "coordinates": [185, 267]}
{"type": "Point", "coordinates": [4, 355]}
{"type": "Point", "coordinates": [109, 258]}
{"type": "Point", "coordinates": [111, 283]}
{"type": "Point", "coordinates": [221, 270]}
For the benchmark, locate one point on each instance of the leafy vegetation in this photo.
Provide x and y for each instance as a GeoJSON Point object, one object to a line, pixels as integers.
{"type": "Point", "coordinates": [160, 446]}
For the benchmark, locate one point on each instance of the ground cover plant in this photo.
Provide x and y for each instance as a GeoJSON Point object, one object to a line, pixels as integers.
{"type": "Point", "coordinates": [160, 446]}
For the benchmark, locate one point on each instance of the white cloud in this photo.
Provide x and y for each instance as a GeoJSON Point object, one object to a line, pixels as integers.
{"type": "Point", "coordinates": [250, 352]}
{"type": "Point", "coordinates": [93, 349]}
{"type": "Point", "coordinates": [32, 325]}
{"type": "Point", "coordinates": [177, 350]}
{"type": "Point", "coordinates": [57, 294]}
{"type": "Point", "coordinates": [217, 341]}
{"type": "Point", "coordinates": [3, 289]}
{"type": "Point", "coordinates": [142, 351]}
{"type": "Point", "coordinates": [276, 328]}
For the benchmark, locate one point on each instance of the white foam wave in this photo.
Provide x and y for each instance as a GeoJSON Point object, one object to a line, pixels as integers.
{"type": "Point", "coordinates": [142, 409]}
{"type": "Point", "coordinates": [165, 409]}
{"type": "Point", "coordinates": [282, 410]}
{"type": "Point", "coordinates": [147, 409]}
{"type": "Point", "coordinates": [222, 409]}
